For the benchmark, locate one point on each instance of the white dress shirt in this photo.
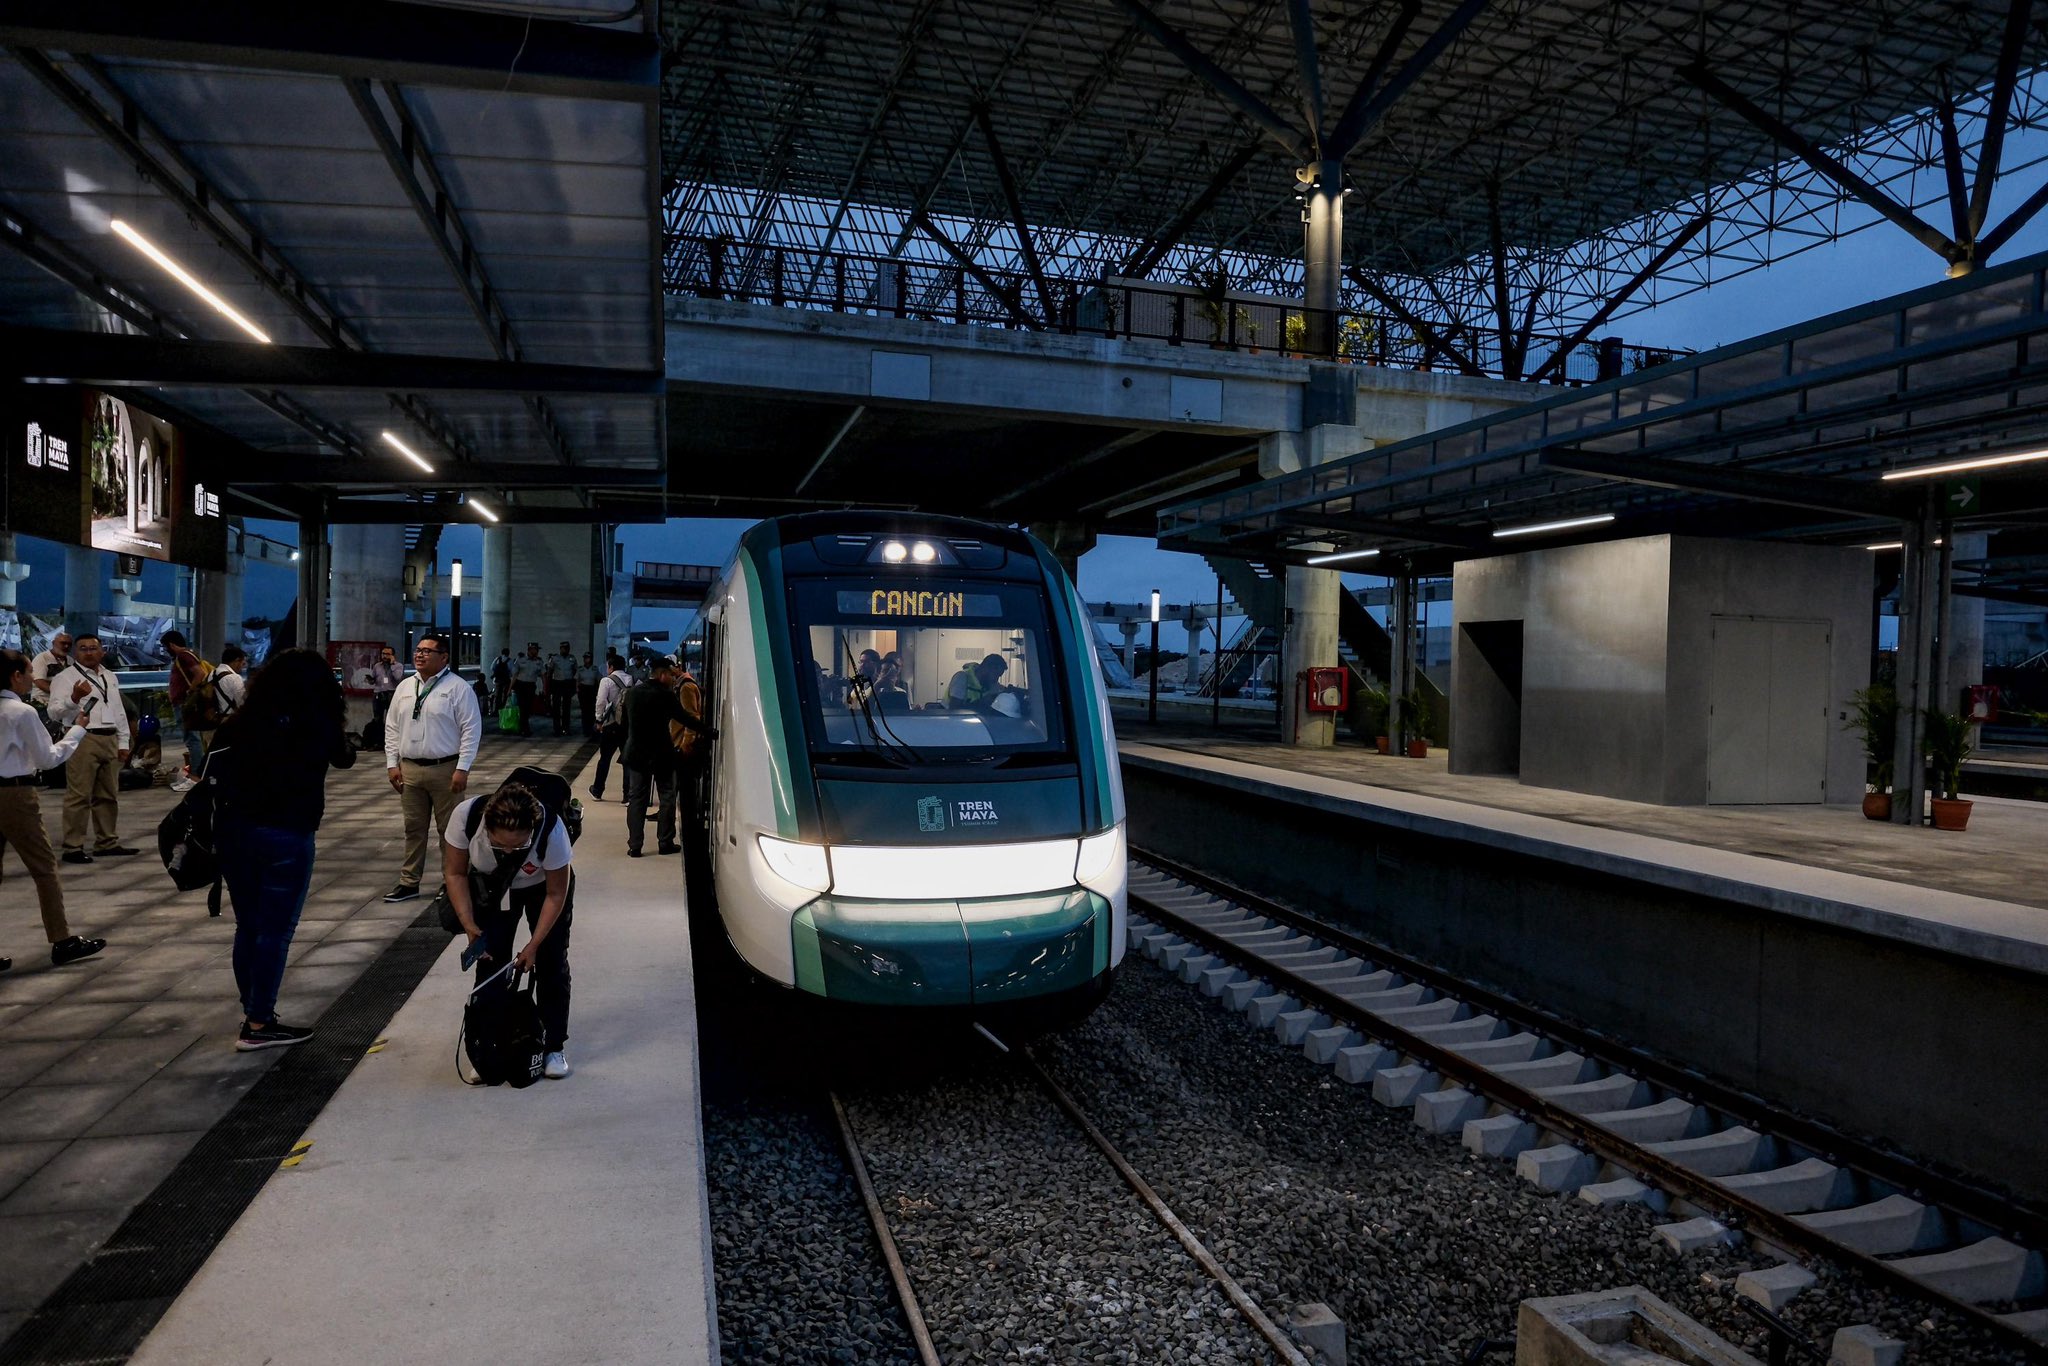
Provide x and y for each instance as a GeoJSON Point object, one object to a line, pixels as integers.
{"type": "Point", "coordinates": [25, 746]}
{"type": "Point", "coordinates": [448, 723]}
{"type": "Point", "coordinates": [108, 712]}
{"type": "Point", "coordinates": [611, 697]}
{"type": "Point", "coordinates": [44, 664]}
{"type": "Point", "coordinates": [229, 687]}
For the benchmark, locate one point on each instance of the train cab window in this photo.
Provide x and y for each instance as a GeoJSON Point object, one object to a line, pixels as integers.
{"type": "Point", "coordinates": [907, 673]}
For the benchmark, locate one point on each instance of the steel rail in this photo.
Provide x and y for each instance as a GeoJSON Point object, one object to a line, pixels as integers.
{"type": "Point", "coordinates": [927, 1351]}
{"type": "Point", "coordinates": [1779, 1228]}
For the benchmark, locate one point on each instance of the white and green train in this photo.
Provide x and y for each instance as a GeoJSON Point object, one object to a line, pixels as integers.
{"type": "Point", "coordinates": [913, 796]}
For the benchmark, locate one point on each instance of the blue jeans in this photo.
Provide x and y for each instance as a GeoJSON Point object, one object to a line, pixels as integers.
{"type": "Point", "coordinates": [268, 872]}
{"type": "Point", "coordinates": [195, 748]}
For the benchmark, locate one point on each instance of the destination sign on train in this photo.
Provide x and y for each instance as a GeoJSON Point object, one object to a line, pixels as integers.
{"type": "Point", "coordinates": [941, 604]}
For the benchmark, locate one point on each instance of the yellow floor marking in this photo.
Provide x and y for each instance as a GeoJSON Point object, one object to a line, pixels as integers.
{"type": "Point", "coordinates": [299, 1150]}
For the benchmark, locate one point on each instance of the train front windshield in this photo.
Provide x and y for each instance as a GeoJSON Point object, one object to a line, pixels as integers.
{"type": "Point", "coordinates": [905, 673]}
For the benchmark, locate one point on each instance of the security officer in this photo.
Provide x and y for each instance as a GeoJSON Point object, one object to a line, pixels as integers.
{"type": "Point", "coordinates": [25, 751]}
{"type": "Point", "coordinates": [561, 688]}
{"type": "Point", "coordinates": [431, 736]}
{"type": "Point", "coordinates": [526, 672]}
{"type": "Point", "coordinates": [93, 787]}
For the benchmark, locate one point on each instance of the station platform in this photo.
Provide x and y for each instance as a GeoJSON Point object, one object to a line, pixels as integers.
{"type": "Point", "coordinates": [396, 1214]}
{"type": "Point", "coordinates": [1888, 979]}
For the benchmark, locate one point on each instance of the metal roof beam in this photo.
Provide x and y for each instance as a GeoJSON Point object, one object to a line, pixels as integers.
{"type": "Point", "coordinates": [365, 39]}
{"type": "Point", "coordinates": [1992, 150]}
{"type": "Point", "coordinates": [1810, 152]}
{"type": "Point", "coordinates": [392, 512]}
{"type": "Point", "coordinates": [1142, 261]}
{"type": "Point", "coordinates": [1849, 499]}
{"type": "Point", "coordinates": [1019, 223]}
{"type": "Point", "coordinates": [1423, 533]}
{"type": "Point", "coordinates": [1302, 20]}
{"type": "Point", "coordinates": [922, 221]}
{"type": "Point", "coordinates": [1359, 119]}
{"type": "Point", "coordinates": [262, 469]}
{"type": "Point", "coordinates": [1387, 300]}
{"type": "Point", "coordinates": [1216, 78]}
{"type": "Point", "coordinates": [1621, 295]}
{"type": "Point", "coordinates": [412, 163]}
{"type": "Point", "coordinates": [1390, 43]}
{"type": "Point", "coordinates": [36, 353]}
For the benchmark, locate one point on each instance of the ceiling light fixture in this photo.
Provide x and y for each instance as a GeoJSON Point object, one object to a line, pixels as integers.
{"type": "Point", "coordinates": [1566, 525]}
{"type": "Point", "coordinates": [186, 278]}
{"type": "Point", "coordinates": [1977, 463]}
{"type": "Point", "coordinates": [484, 510]}
{"type": "Point", "coordinates": [1344, 555]}
{"type": "Point", "coordinates": [1894, 545]}
{"type": "Point", "coordinates": [408, 452]}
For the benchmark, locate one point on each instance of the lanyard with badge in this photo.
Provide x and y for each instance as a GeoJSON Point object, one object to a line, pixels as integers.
{"type": "Point", "coordinates": [420, 695]}
{"type": "Point", "coordinates": [97, 685]}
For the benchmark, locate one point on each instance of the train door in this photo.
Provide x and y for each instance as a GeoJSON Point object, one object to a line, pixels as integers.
{"type": "Point", "coordinates": [717, 710]}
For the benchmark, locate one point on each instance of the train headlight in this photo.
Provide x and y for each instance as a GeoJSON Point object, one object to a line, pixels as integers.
{"type": "Point", "coordinates": [801, 865]}
{"type": "Point", "coordinates": [923, 553]}
{"type": "Point", "coordinates": [1101, 857]}
{"type": "Point", "coordinates": [894, 552]}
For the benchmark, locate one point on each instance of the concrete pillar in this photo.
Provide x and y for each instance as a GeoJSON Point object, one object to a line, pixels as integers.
{"type": "Point", "coordinates": [12, 573]}
{"type": "Point", "coordinates": [231, 612]}
{"type": "Point", "coordinates": [1964, 650]}
{"type": "Point", "coordinates": [313, 563]}
{"type": "Point", "coordinates": [1310, 638]}
{"type": "Point", "coordinates": [365, 589]}
{"type": "Point", "coordinates": [1068, 542]}
{"type": "Point", "coordinates": [81, 588]}
{"type": "Point", "coordinates": [1919, 587]}
{"type": "Point", "coordinates": [125, 590]}
{"type": "Point", "coordinates": [1130, 652]}
{"type": "Point", "coordinates": [1401, 726]}
{"type": "Point", "coordinates": [549, 575]}
{"type": "Point", "coordinates": [1322, 255]}
{"type": "Point", "coordinates": [496, 591]}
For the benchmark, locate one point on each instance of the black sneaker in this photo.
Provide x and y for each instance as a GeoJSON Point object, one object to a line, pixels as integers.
{"type": "Point", "coordinates": [670, 849]}
{"type": "Point", "coordinates": [404, 891]}
{"type": "Point", "coordinates": [73, 949]}
{"type": "Point", "coordinates": [632, 853]}
{"type": "Point", "coordinates": [114, 851]}
{"type": "Point", "coordinates": [595, 795]}
{"type": "Point", "coordinates": [272, 1035]}
{"type": "Point", "coordinates": [6, 963]}
{"type": "Point", "coordinates": [77, 856]}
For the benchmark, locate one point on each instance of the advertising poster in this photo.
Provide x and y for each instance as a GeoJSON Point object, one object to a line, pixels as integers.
{"type": "Point", "coordinates": [45, 464]}
{"type": "Point", "coordinates": [149, 488]}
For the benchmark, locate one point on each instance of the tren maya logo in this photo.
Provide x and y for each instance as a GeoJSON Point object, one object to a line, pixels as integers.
{"type": "Point", "coordinates": [931, 815]}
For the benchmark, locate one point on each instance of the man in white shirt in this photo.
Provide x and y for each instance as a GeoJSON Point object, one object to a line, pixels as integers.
{"type": "Point", "coordinates": [50, 661]}
{"type": "Point", "coordinates": [25, 751]}
{"type": "Point", "coordinates": [526, 675]}
{"type": "Point", "coordinates": [431, 736]}
{"type": "Point", "coordinates": [611, 719]}
{"type": "Point", "coordinates": [228, 681]}
{"type": "Point", "coordinates": [93, 789]}
{"type": "Point", "coordinates": [561, 688]}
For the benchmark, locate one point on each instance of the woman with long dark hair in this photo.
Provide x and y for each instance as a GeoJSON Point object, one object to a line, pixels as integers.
{"type": "Point", "coordinates": [271, 759]}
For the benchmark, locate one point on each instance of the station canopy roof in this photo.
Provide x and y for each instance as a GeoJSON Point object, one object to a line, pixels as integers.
{"type": "Point", "coordinates": [1791, 434]}
{"type": "Point", "coordinates": [438, 218]}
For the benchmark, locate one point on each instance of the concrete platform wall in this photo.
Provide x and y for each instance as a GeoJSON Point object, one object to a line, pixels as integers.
{"type": "Point", "coordinates": [1939, 1055]}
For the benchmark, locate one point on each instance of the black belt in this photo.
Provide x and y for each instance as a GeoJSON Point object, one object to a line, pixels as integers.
{"type": "Point", "coordinates": [25, 780]}
{"type": "Point", "coordinates": [429, 763]}
{"type": "Point", "coordinates": [103, 730]}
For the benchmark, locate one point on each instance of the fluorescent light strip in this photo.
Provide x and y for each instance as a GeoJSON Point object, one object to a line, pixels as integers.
{"type": "Point", "coordinates": [1344, 555]}
{"type": "Point", "coordinates": [408, 452]}
{"type": "Point", "coordinates": [484, 510]}
{"type": "Point", "coordinates": [1565, 525]}
{"type": "Point", "coordinates": [1894, 545]}
{"type": "Point", "coordinates": [186, 278]}
{"type": "Point", "coordinates": [1954, 466]}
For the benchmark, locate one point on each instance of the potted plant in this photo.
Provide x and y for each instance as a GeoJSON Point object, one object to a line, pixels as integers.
{"type": "Point", "coordinates": [1369, 713]}
{"type": "Point", "coordinates": [1212, 306]}
{"type": "Point", "coordinates": [1293, 333]}
{"type": "Point", "coordinates": [1874, 715]}
{"type": "Point", "coordinates": [1948, 745]}
{"type": "Point", "coordinates": [1415, 724]}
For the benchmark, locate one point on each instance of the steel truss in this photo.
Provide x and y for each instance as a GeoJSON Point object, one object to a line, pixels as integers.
{"type": "Point", "coordinates": [1564, 165]}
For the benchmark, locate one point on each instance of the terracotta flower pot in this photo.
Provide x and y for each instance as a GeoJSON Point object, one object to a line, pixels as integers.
{"type": "Point", "coordinates": [1418, 749]}
{"type": "Point", "coordinates": [1951, 813]}
{"type": "Point", "coordinates": [1380, 743]}
{"type": "Point", "coordinates": [1877, 806]}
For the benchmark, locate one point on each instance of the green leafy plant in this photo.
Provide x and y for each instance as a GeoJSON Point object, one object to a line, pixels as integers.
{"type": "Point", "coordinates": [1355, 339]}
{"type": "Point", "coordinates": [1294, 332]}
{"type": "Point", "coordinates": [1369, 705]}
{"type": "Point", "coordinates": [1948, 746]}
{"type": "Point", "coordinates": [1417, 717]}
{"type": "Point", "coordinates": [1874, 714]}
{"type": "Point", "coordinates": [1212, 303]}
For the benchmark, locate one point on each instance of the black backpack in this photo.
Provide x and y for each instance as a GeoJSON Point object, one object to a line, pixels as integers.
{"type": "Point", "coordinates": [486, 891]}
{"type": "Point", "coordinates": [188, 838]}
{"type": "Point", "coordinates": [501, 1032]}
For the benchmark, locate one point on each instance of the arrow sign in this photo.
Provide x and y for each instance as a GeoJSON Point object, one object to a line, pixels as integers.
{"type": "Point", "coordinates": [1961, 495]}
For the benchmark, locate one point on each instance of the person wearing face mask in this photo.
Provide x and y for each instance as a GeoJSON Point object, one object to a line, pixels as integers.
{"type": "Point", "coordinates": [93, 773]}
{"type": "Point", "coordinates": [25, 751]}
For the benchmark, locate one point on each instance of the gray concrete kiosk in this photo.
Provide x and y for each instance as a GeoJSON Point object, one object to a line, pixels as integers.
{"type": "Point", "coordinates": [1671, 669]}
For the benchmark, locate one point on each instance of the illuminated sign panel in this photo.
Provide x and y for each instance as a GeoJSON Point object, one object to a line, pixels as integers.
{"type": "Point", "coordinates": [918, 604]}
{"type": "Point", "coordinates": [44, 432]}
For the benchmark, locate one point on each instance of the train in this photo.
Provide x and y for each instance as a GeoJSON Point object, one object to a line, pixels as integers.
{"type": "Point", "coordinates": [912, 796]}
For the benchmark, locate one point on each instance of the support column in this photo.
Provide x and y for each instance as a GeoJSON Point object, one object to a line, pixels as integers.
{"type": "Point", "coordinates": [496, 620]}
{"type": "Point", "coordinates": [1130, 630]}
{"type": "Point", "coordinates": [124, 590]}
{"type": "Point", "coordinates": [313, 561]}
{"type": "Point", "coordinates": [1068, 542]}
{"type": "Point", "coordinates": [1963, 642]}
{"type": "Point", "coordinates": [1309, 638]}
{"type": "Point", "coordinates": [81, 588]}
{"type": "Point", "coordinates": [13, 573]}
{"type": "Point", "coordinates": [1919, 584]}
{"type": "Point", "coordinates": [1322, 255]}
{"type": "Point", "coordinates": [366, 585]}
{"type": "Point", "coordinates": [1401, 660]}
{"type": "Point", "coordinates": [230, 591]}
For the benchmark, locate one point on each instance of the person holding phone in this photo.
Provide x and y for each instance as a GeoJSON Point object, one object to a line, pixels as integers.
{"type": "Point", "coordinates": [25, 751]}
{"type": "Point", "coordinates": [270, 760]}
{"type": "Point", "coordinates": [513, 869]}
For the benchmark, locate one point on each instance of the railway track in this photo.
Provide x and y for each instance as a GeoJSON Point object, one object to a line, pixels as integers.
{"type": "Point", "coordinates": [1283, 1347]}
{"type": "Point", "coordinates": [1585, 1115]}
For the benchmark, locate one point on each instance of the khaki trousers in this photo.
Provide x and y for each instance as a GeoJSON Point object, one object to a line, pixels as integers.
{"type": "Point", "coordinates": [428, 792]}
{"type": "Point", "coordinates": [93, 778]}
{"type": "Point", "coordinates": [21, 824]}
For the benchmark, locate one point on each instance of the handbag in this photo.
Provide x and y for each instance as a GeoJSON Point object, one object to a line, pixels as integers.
{"type": "Point", "coordinates": [188, 838]}
{"type": "Point", "coordinates": [501, 1032]}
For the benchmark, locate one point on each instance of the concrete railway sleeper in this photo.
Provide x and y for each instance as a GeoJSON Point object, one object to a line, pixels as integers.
{"type": "Point", "coordinates": [1588, 1116]}
{"type": "Point", "coordinates": [1283, 1346]}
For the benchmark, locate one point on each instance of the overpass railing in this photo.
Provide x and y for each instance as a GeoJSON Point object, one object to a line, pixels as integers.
{"type": "Point", "coordinates": [1179, 315]}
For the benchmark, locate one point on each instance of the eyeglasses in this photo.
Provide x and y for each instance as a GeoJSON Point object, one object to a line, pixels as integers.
{"type": "Point", "coordinates": [429, 650]}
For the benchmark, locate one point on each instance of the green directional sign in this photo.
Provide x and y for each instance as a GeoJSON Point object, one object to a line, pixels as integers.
{"type": "Point", "coordinates": [1960, 497]}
